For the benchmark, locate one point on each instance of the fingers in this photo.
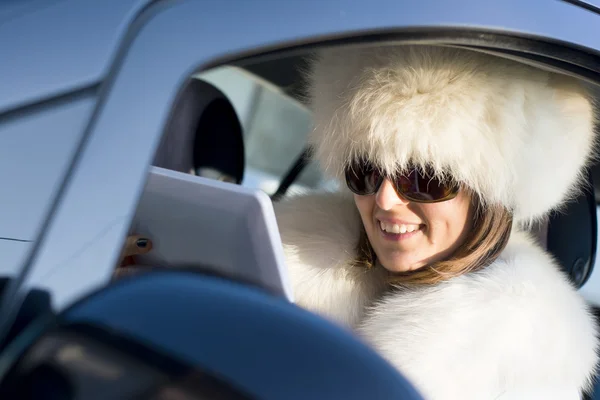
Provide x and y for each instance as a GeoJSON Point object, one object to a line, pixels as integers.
{"type": "Point", "coordinates": [135, 245]}
{"type": "Point", "coordinates": [128, 271]}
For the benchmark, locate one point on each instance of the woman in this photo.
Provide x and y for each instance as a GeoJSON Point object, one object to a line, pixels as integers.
{"type": "Point", "coordinates": [448, 155]}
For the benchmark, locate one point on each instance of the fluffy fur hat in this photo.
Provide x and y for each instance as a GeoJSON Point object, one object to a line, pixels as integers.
{"type": "Point", "coordinates": [514, 134]}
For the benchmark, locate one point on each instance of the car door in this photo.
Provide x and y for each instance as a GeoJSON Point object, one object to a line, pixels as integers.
{"type": "Point", "coordinates": [55, 56]}
{"type": "Point", "coordinates": [171, 41]}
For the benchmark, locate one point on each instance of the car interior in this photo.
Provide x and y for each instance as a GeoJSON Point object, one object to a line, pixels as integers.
{"type": "Point", "coordinates": [576, 253]}
{"type": "Point", "coordinates": [199, 99]}
{"type": "Point", "coordinates": [93, 344]}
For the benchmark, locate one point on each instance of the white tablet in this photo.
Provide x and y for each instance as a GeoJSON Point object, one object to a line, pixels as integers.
{"type": "Point", "coordinates": [199, 221]}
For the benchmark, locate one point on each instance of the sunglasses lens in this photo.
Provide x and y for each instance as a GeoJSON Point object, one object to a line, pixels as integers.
{"type": "Point", "coordinates": [422, 187]}
{"type": "Point", "coordinates": [363, 178]}
{"type": "Point", "coordinates": [417, 186]}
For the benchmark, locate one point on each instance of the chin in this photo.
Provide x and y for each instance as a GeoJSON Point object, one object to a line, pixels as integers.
{"type": "Point", "coordinates": [398, 265]}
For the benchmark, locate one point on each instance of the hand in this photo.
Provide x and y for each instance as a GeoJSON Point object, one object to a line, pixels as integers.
{"type": "Point", "coordinates": [134, 245]}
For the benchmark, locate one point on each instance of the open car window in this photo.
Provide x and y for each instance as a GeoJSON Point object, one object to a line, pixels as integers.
{"type": "Point", "coordinates": [275, 128]}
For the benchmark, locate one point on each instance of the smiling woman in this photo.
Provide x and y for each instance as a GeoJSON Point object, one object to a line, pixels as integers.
{"type": "Point", "coordinates": [448, 155]}
{"type": "Point", "coordinates": [456, 236]}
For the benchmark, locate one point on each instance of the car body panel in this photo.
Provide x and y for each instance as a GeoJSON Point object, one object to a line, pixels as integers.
{"type": "Point", "coordinates": [59, 47]}
{"type": "Point", "coordinates": [13, 254]}
{"type": "Point", "coordinates": [37, 148]}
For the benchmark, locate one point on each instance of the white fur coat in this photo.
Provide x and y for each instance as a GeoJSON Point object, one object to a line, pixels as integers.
{"type": "Point", "coordinates": [516, 330]}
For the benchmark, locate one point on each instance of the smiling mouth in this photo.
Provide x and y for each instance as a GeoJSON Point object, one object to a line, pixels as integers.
{"type": "Point", "coordinates": [399, 231]}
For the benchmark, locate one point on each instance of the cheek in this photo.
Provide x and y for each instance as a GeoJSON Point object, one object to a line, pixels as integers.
{"type": "Point", "coordinates": [365, 205]}
{"type": "Point", "coordinates": [449, 221]}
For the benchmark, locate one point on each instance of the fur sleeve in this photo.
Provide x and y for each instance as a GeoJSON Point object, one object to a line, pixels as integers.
{"type": "Point", "coordinates": [546, 393]}
{"type": "Point", "coordinates": [319, 234]}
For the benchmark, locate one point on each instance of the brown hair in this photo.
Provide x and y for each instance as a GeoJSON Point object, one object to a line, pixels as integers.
{"type": "Point", "coordinates": [488, 237]}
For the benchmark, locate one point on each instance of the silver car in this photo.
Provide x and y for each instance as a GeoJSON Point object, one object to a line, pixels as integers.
{"type": "Point", "coordinates": [93, 93]}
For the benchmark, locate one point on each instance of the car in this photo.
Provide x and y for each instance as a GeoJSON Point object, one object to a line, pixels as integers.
{"type": "Point", "coordinates": [94, 93]}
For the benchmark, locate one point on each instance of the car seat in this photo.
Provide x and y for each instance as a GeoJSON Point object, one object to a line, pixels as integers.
{"type": "Point", "coordinates": [570, 235]}
{"type": "Point", "coordinates": [203, 135]}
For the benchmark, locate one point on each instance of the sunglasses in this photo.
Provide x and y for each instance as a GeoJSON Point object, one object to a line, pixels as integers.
{"type": "Point", "coordinates": [419, 186]}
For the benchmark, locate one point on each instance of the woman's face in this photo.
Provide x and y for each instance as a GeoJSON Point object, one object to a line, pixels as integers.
{"type": "Point", "coordinates": [407, 236]}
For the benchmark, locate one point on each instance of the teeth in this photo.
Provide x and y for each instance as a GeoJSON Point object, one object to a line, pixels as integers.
{"type": "Point", "coordinates": [395, 228]}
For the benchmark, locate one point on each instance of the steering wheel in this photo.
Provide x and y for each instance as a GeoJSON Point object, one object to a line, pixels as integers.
{"type": "Point", "coordinates": [180, 334]}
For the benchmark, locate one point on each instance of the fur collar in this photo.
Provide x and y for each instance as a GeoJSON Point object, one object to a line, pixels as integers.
{"type": "Point", "coordinates": [518, 325]}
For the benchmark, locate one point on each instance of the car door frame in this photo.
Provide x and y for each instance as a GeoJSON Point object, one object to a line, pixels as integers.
{"type": "Point", "coordinates": [87, 228]}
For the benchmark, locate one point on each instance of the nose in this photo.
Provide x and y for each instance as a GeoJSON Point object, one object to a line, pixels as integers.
{"type": "Point", "coordinates": [386, 197]}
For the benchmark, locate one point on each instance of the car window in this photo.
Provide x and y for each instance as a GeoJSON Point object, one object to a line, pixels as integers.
{"type": "Point", "coordinates": [275, 130]}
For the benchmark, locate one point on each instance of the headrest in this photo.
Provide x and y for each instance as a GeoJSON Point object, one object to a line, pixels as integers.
{"type": "Point", "coordinates": [203, 135]}
{"type": "Point", "coordinates": [571, 236]}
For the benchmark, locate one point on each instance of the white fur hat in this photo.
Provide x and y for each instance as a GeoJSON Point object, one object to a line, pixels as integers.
{"type": "Point", "coordinates": [514, 134]}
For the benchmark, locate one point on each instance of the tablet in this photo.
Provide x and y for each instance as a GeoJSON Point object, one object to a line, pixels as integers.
{"type": "Point", "coordinates": [199, 221]}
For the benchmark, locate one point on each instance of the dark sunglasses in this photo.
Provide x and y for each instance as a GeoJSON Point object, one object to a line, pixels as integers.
{"type": "Point", "coordinates": [416, 185]}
